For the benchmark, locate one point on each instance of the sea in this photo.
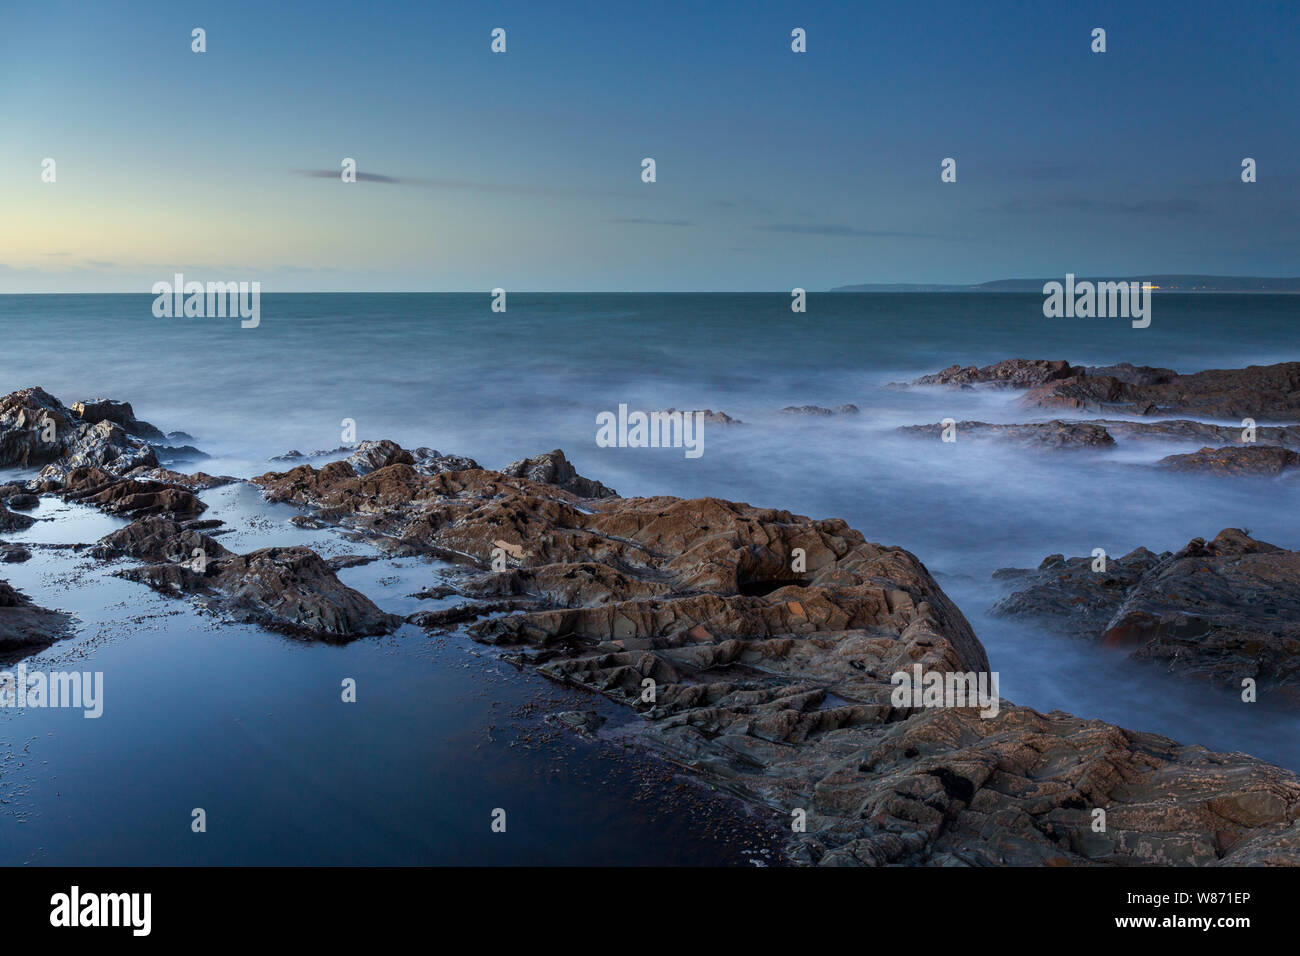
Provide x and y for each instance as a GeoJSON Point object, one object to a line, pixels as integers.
{"type": "Point", "coordinates": [249, 726]}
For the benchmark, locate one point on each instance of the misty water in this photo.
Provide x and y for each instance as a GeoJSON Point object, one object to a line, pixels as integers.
{"type": "Point", "coordinates": [248, 717]}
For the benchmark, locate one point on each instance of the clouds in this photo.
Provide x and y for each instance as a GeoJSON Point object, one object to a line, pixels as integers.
{"type": "Point", "coordinates": [1159, 208]}
{"type": "Point", "coordinates": [653, 222]}
{"type": "Point", "coordinates": [466, 185]}
{"type": "Point", "coordinates": [849, 232]}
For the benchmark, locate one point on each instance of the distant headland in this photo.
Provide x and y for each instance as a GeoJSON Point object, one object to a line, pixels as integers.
{"type": "Point", "coordinates": [1159, 283]}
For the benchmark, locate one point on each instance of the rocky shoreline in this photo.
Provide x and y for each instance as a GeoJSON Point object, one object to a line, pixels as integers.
{"type": "Point", "coordinates": [1255, 395]}
{"type": "Point", "coordinates": [758, 646]}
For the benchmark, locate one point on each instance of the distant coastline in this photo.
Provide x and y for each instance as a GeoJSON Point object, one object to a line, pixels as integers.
{"type": "Point", "coordinates": [1160, 283]}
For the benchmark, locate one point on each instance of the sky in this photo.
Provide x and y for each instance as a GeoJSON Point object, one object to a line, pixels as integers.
{"type": "Point", "coordinates": [523, 170]}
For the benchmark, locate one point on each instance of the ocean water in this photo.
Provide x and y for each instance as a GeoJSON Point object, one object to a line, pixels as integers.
{"type": "Point", "coordinates": [310, 784]}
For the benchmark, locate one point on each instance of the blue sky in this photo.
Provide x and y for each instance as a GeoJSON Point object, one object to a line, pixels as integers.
{"type": "Point", "coordinates": [522, 169]}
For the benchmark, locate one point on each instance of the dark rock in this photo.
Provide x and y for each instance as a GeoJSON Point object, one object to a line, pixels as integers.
{"type": "Point", "coordinates": [171, 453]}
{"type": "Point", "coordinates": [103, 446]}
{"type": "Point", "coordinates": [120, 413]}
{"type": "Point", "coordinates": [26, 417]}
{"type": "Point", "coordinates": [198, 481]}
{"type": "Point", "coordinates": [289, 589]}
{"type": "Point", "coordinates": [1235, 460]}
{"type": "Point", "coordinates": [14, 521]}
{"type": "Point", "coordinates": [1217, 612]}
{"type": "Point", "coordinates": [1055, 434]}
{"type": "Point", "coordinates": [1071, 596]}
{"type": "Point", "coordinates": [585, 723]}
{"type": "Point", "coordinates": [373, 455]}
{"type": "Point", "coordinates": [1287, 436]}
{"type": "Point", "coordinates": [13, 553]}
{"type": "Point", "coordinates": [819, 411]}
{"type": "Point", "coordinates": [1131, 374]}
{"type": "Point", "coordinates": [776, 684]}
{"type": "Point", "coordinates": [1009, 373]}
{"type": "Point", "coordinates": [130, 497]}
{"type": "Point", "coordinates": [23, 501]}
{"type": "Point", "coordinates": [25, 628]}
{"type": "Point", "coordinates": [429, 461]}
{"type": "Point", "coordinates": [553, 468]}
{"type": "Point", "coordinates": [1260, 392]}
{"type": "Point", "coordinates": [710, 416]}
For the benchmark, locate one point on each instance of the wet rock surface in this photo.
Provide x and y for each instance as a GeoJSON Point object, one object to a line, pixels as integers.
{"type": "Point", "coordinates": [1235, 460]}
{"type": "Point", "coordinates": [290, 589]}
{"type": "Point", "coordinates": [129, 497]}
{"type": "Point", "coordinates": [1106, 432]}
{"type": "Point", "coordinates": [817, 410]}
{"type": "Point", "coordinates": [757, 646]}
{"type": "Point", "coordinates": [1009, 373]}
{"type": "Point", "coordinates": [1054, 434]}
{"type": "Point", "coordinates": [1217, 611]}
{"type": "Point", "coordinates": [1252, 395]}
{"type": "Point", "coordinates": [1260, 392]}
{"type": "Point", "coordinates": [711, 417]}
{"type": "Point", "coordinates": [26, 628]}
{"type": "Point", "coordinates": [771, 676]}
{"type": "Point", "coordinates": [120, 413]}
{"type": "Point", "coordinates": [553, 468]}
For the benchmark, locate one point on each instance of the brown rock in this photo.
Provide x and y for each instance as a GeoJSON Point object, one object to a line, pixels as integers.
{"type": "Point", "coordinates": [25, 628]}
{"type": "Point", "coordinates": [1235, 460]}
{"type": "Point", "coordinates": [1055, 434]}
{"type": "Point", "coordinates": [289, 589]}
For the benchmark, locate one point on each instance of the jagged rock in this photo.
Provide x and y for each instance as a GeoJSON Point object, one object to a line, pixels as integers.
{"type": "Point", "coordinates": [23, 501]}
{"type": "Point", "coordinates": [373, 455]}
{"type": "Point", "coordinates": [296, 455]}
{"type": "Point", "coordinates": [1217, 612]}
{"type": "Point", "coordinates": [430, 461]}
{"type": "Point", "coordinates": [1103, 433]}
{"type": "Point", "coordinates": [173, 453]}
{"type": "Point", "coordinates": [1235, 460]}
{"type": "Point", "coordinates": [1009, 373]}
{"type": "Point", "coordinates": [710, 416]}
{"type": "Point", "coordinates": [158, 539]}
{"type": "Point", "coordinates": [1260, 392]}
{"type": "Point", "coordinates": [13, 553]}
{"type": "Point", "coordinates": [775, 684]}
{"type": "Point", "coordinates": [1070, 594]}
{"type": "Point", "coordinates": [26, 628]}
{"type": "Point", "coordinates": [290, 589]}
{"type": "Point", "coordinates": [25, 419]}
{"type": "Point", "coordinates": [553, 468]}
{"type": "Point", "coordinates": [1287, 436]}
{"type": "Point", "coordinates": [1053, 434]}
{"type": "Point", "coordinates": [585, 723]}
{"type": "Point", "coordinates": [103, 446]}
{"type": "Point", "coordinates": [14, 521]}
{"type": "Point", "coordinates": [120, 413]}
{"type": "Point", "coordinates": [130, 497]}
{"type": "Point", "coordinates": [819, 411]}
{"type": "Point", "coordinates": [1131, 374]}
{"type": "Point", "coordinates": [198, 481]}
